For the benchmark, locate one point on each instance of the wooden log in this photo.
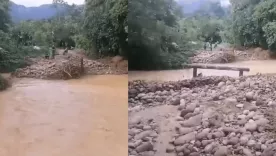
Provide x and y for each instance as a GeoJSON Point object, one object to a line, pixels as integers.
{"type": "Point", "coordinates": [241, 73]}
{"type": "Point", "coordinates": [82, 68]}
{"type": "Point", "coordinates": [194, 72]}
{"type": "Point", "coordinates": [216, 67]}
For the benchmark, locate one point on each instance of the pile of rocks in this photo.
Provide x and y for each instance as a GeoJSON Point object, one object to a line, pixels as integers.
{"type": "Point", "coordinates": [65, 67]}
{"type": "Point", "coordinates": [252, 54]}
{"type": "Point", "coordinates": [203, 131]}
{"type": "Point", "coordinates": [218, 116]}
{"type": "Point", "coordinates": [141, 137]}
{"type": "Point", "coordinates": [213, 57]}
{"type": "Point", "coordinates": [100, 67]}
{"type": "Point", "coordinates": [230, 55]}
{"type": "Point", "coordinates": [52, 69]}
{"type": "Point", "coordinates": [136, 87]}
{"type": "Point", "coordinates": [154, 93]}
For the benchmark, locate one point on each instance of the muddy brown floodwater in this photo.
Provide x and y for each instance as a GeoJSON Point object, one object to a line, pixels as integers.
{"type": "Point", "coordinates": [263, 66]}
{"type": "Point", "coordinates": [81, 117]}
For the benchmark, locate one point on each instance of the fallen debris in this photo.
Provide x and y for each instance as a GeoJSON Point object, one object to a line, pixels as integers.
{"type": "Point", "coordinates": [66, 67]}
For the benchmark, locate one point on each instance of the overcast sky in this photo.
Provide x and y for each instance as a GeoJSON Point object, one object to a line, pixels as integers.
{"type": "Point", "coordinates": [225, 2]}
{"type": "Point", "coordinates": [29, 3]}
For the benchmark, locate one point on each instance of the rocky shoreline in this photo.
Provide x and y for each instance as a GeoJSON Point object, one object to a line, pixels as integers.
{"type": "Point", "coordinates": [218, 116]}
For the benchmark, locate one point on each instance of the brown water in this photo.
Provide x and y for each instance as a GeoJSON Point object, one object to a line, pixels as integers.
{"type": "Point", "coordinates": [264, 66]}
{"type": "Point", "coordinates": [81, 117]}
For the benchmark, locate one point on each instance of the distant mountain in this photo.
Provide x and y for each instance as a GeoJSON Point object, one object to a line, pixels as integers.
{"type": "Point", "coordinates": [20, 12]}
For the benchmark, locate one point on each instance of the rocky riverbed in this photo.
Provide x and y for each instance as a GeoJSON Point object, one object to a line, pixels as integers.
{"type": "Point", "coordinates": [208, 116]}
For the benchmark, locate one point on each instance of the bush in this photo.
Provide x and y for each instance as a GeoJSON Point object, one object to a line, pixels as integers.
{"type": "Point", "coordinates": [13, 56]}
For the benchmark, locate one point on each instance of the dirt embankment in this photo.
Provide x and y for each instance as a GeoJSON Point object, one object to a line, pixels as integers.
{"type": "Point", "coordinates": [4, 82]}
{"type": "Point", "coordinates": [208, 116]}
{"type": "Point", "coordinates": [230, 55]}
{"type": "Point", "coordinates": [69, 66]}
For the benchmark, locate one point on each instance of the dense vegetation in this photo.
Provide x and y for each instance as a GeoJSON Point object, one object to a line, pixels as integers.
{"type": "Point", "coordinates": [105, 25]}
{"type": "Point", "coordinates": [99, 27]}
{"type": "Point", "coordinates": [161, 37]}
{"type": "Point", "coordinates": [17, 41]}
{"type": "Point", "coordinates": [254, 23]}
{"type": "Point", "coordinates": [152, 34]}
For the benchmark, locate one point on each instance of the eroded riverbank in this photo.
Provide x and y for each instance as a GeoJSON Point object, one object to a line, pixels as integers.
{"type": "Point", "coordinates": [80, 117]}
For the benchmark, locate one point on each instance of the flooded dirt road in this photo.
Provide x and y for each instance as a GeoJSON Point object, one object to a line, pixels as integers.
{"type": "Point", "coordinates": [263, 66]}
{"type": "Point", "coordinates": [81, 117]}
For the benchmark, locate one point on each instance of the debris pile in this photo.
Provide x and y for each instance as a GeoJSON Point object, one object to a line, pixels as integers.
{"type": "Point", "coordinates": [213, 57]}
{"type": "Point", "coordinates": [230, 55]}
{"type": "Point", "coordinates": [52, 69]}
{"type": "Point", "coordinates": [68, 67]}
{"type": "Point", "coordinates": [252, 54]}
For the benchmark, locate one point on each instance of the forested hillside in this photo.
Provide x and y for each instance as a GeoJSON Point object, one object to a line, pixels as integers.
{"type": "Point", "coordinates": [19, 12]}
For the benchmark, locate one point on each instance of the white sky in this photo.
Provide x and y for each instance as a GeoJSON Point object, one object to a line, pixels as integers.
{"type": "Point", "coordinates": [30, 3]}
{"type": "Point", "coordinates": [225, 2]}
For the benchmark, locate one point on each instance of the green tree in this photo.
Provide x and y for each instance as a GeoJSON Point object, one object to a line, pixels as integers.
{"type": "Point", "coordinates": [105, 25]}
{"type": "Point", "coordinates": [245, 29]}
{"type": "Point", "coordinates": [155, 39]}
{"type": "Point", "coordinates": [254, 23]}
{"type": "Point", "coordinates": [265, 17]}
{"type": "Point", "coordinates": [210, 33]}
{"type": "Point", "coordinates": [4, 15]}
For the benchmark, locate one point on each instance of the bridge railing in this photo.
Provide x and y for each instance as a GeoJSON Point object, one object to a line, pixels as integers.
{"type": "Point", "coordinates": [200, 66]}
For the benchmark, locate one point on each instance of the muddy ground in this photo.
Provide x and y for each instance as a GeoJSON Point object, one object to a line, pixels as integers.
{"type": "Point", "coordinates": [208, 116]}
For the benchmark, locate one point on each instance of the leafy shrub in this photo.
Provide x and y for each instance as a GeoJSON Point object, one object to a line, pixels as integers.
{"type": "Point", "coordinates": [13, 56]}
